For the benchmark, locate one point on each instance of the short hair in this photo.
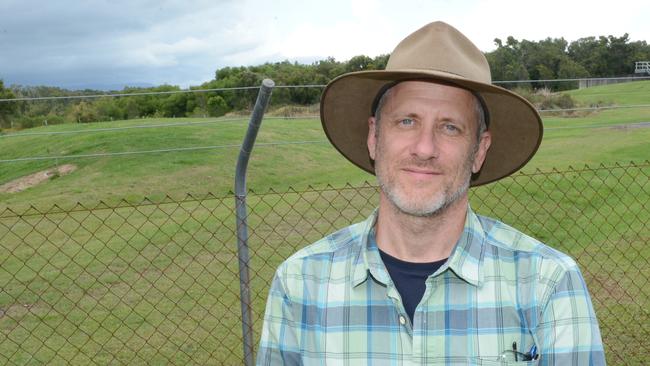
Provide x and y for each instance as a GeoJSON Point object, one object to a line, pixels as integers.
{"type": "Point", "coordinates": [478, 109]}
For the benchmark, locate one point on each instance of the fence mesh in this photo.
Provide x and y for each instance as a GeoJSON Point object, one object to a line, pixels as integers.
{"type": "Point", "coordinates": [157, 282]}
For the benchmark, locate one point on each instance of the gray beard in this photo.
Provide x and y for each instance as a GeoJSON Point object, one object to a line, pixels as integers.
{"type": "Point", "coordinates": [445, 199]}
{"type": "Point", "coordinates": [431, 209]}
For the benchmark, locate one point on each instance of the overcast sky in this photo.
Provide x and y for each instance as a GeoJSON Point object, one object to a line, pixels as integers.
{"type": "Point", "coordinates": [113, 43]}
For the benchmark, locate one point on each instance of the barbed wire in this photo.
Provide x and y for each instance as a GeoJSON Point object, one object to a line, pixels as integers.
{"type": "Point", "coordinates": [115, 95]}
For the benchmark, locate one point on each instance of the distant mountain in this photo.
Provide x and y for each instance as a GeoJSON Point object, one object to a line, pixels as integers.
{"type": "Point", "coordinates": [98, 86]}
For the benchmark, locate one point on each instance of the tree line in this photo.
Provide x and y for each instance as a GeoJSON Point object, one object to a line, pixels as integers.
{"type": "Point", "coordinates": [551, 58]}
{"type": "Point", "coordinates": [555, 58]}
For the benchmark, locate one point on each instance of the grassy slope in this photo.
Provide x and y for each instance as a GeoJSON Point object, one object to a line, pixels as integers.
{"type": "Point", "coordinates": [567, 141]}
{"type": "Point", "coordinates": [633, 93]}
{"type": "Point", "coordinates": [147, 232]}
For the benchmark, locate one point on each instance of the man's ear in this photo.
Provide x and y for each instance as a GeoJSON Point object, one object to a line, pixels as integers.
{"type": "Point", "coordinates": [372, 139]}
{"type": "Point", "coordinates": [481, 152]}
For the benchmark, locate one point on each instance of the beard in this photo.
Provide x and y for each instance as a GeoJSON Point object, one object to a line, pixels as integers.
{"type": "Point", "coordinates": [418, 204]}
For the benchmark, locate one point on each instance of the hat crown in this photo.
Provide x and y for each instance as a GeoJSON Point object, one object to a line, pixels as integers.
{"type": "Point", "coordinates": [440, 47]}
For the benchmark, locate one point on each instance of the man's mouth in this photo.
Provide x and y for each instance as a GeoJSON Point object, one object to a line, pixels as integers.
{"type": "Point", "coordinates": [421, 172]}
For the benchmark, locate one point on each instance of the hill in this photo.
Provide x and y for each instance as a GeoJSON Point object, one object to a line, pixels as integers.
{"type": "Point", "coordinates": [157, 157]}
{"type": "Point", "coordinates": [632, 93]}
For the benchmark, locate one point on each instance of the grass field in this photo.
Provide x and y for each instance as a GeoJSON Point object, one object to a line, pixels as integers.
{"type": "Point", "coordinates": [633, 93]}
{"type": "Point", "coordinates": [156, 281]}
{"type": "Point", "coordinates": [307, 158]}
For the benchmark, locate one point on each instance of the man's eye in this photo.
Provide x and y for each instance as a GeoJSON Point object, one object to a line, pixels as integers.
{"type": "Point", "coordinates": [406, 122]}
{"type": "Point", "coordinates": [451, 128]}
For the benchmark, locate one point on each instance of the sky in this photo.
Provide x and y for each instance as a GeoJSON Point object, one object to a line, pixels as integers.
{"type": "Point", "coordinates": [109, 44]}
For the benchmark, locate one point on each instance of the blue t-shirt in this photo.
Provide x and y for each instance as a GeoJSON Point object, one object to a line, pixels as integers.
{"type": "Point", "coordinates": [409, 279]}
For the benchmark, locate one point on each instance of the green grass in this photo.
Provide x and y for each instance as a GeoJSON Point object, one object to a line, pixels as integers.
{"type": "Point", "coordinates": [123, 285]}
{"type": "Point", "coordinates": [153, 175]}
{"type": "Point", "coordinates": [632, 93]}
{"type": "Point", "coordinates": [133, 281]}
{"type": "Point", "coordinates": [601, 138]}
{"type": "Point", "coordinates": [592, 139]}
{"type": "Point", "coordinates": [158, 280]}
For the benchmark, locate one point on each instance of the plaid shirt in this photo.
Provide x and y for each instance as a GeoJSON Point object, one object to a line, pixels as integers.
{"type": "Point", "coordinates": [333, 303]}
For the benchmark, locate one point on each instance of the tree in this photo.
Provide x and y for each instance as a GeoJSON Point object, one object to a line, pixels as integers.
{"type": "Point", "coordinates": [542, 59]}
{"type": "Point", "coordinates": [327, 70]}
{"type": "Point", "coordinates": [506, 62]}
{"type": "Point", "coordinates": [358, 63]}
{"type": "Point", "coordinates": [108, 109]}
{"type": "Point", "coordinates": [7, 109]}
{"type": "Point", "coordinates": [217, 106]}
{"type": "Point", "coordinates": [379, 62]}
{"type": "Point", "coordinates": [569, 69]}
{"type": "Point", "coordinates": [175, 105]}
{"type": "Point", "coordinates": [608, 56]}
{"type": "Point", "coordinates": [84, 112]}
{"type": "Point", "coordinates": [588, 52]}
{"type": "Point", "coordinates": [619, 56]}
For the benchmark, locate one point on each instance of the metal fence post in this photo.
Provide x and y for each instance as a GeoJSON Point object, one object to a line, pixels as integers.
{"type": "Point", "coordinates": [263, 98]}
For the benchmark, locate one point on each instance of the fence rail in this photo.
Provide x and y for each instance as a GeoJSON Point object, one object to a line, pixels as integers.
{"type": "Point", "coordinates": [157, 281]}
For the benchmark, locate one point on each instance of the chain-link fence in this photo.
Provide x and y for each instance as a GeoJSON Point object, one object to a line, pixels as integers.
{"type": "Point", "coordinates": [156, 282]}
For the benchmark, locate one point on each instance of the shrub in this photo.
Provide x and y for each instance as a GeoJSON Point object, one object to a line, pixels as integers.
{"type": "Point", "coordinates": [289, 111]}
{"type": "Point", "coordinates": [546, 99]}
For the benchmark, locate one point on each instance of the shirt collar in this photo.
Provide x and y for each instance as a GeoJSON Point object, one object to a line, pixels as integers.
{"type": "Point", "coordinates": [368, 261]}
{"type": "Point", "coordinates": [467, 257]}
{"type": "Point", "coordinates": [465, 260]}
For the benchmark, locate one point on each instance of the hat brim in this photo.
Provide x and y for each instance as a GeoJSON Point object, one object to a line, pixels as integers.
{"type": "Point", "coordinates": [514, 123]}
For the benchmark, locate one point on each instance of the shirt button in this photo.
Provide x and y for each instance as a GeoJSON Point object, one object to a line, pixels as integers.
{"type": "Point", "coordinates": [402, 319]}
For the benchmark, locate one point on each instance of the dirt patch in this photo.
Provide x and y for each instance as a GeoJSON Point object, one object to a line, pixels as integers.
{"type": "Point", "coordinates": [31, 180]}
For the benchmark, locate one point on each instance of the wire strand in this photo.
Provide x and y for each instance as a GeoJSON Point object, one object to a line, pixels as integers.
{"type": "Point", "coordinates": [91, 96]}
{"type": "Point", "coordinates": [159, 125]}
{"type": "Point", "coordinates": [142, 152]}
{"type": "Point", "coordinates": [567, 80]}
{"type": "Point", "coordinates": [305, 142]}
{"type": "Point", "coordinates": [181, 124]}
{"type": "Point", "coordinates": [595, 108]}
{"type": "Point", "coordinates": [93, 130]}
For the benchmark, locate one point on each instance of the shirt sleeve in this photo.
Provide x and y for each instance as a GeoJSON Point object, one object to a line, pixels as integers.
{"type": "Point", "coordinates": [568, 332]}
{"type": "Point", "coordinates": [279, 341]}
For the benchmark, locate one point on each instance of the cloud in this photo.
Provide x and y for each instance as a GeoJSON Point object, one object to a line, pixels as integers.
{"type": "Point", "coordinates": [179, 42]}
{"type": "Point", "coordinates": [63, 42]}
{"type": "Point", "coordinates": [570, 20]}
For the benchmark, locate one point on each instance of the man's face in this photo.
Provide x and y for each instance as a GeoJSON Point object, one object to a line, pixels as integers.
{"type": "Point", "coordinates": [426, 148]}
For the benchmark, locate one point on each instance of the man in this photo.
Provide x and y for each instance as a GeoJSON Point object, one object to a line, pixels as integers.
{"type": "Point", "coordinates": [425, 280]}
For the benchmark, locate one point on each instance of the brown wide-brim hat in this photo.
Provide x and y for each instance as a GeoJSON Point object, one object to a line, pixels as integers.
{"type": "Point", "coordinates": [440, 53]}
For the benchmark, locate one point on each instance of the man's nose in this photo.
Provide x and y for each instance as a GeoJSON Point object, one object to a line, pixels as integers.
{"type": "Point", "coordinates": [425, 146]}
